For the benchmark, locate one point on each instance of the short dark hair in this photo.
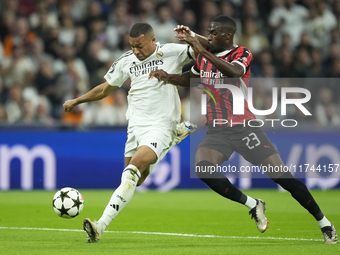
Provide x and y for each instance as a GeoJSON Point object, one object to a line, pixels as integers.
{"type": "Point", "coordinates": [226, 22]}
{"type": "Point", "coordinates": [139, 29]}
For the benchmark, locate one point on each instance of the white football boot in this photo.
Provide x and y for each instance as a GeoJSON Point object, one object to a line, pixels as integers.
{"type": "Point", "coordinates": [329, 234]}
{"type": "Point", "coordinates": [258, 214]}
{"type": "Point", "coordinates": [184, 129]}
{"type": "Point", "coordinates": [93, 230]}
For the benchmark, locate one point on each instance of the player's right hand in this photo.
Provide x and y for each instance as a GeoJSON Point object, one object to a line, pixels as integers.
{"type": "Point", "coordinates": [69, 105]}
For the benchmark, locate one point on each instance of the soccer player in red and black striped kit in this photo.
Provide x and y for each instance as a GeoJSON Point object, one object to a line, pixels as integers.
{"type": "Point", "coordinates": [220, 61]}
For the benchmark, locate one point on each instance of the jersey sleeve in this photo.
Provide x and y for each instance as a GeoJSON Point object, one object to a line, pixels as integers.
{"type": "Point", "coordinates": [242, 57]}
{"type": "Point", "coordinates": [183, 52]}
{"type": "Point", "coordinates": [195, 69]}
{"type": "Point", "coordinates": [116, 75]}
{"type": "Point", "coordinates": [191, 53]}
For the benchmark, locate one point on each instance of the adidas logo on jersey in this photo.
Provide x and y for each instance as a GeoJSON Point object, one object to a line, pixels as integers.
{"type": "Point", "coordinates": [154, 145]}
{"type": "Point", "coordinates": [115, 206]}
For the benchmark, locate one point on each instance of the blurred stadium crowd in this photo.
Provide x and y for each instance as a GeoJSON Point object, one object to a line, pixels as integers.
{"type": "Point", "coordinates": [55, 50]}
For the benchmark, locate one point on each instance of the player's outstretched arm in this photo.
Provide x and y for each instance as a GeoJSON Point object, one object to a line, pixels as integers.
{"type": "Point", "coordinates": [97, 93]}
{"type": "Point", "coordinates": [182, 80]}
{"type": "Point", "coordinates": [232, 70]}
{"type": "Point", "coordinates": [180, 29]}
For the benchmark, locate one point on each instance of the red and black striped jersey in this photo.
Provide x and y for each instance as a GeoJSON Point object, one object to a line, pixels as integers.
{"type": "Point", "coordinates": [211, 76]}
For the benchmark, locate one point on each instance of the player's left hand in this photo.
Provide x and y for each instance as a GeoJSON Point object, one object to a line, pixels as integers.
{"type": "Point", "coordinates": [160, 75]}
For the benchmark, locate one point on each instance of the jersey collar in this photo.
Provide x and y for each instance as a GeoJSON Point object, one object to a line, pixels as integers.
{"type": "Point", "coordinates": [225, 52]}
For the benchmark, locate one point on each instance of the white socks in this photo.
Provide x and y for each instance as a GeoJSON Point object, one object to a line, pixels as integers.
{"type": "Point", "coordinates": [121, 196]}
{"type": "Point", "coordinates": [324, 222]}
{"type": "Point", "coordinates": [250, 203]}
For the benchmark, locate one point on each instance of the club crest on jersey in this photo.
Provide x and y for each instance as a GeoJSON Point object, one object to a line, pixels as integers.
{"type": "Point", "coordinates": [159, 54]}
{"type": "Point", "coordinates": [244, 59]}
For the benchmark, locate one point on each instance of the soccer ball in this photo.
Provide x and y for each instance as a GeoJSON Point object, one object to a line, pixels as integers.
{"type": "Point", "coordinates": [68, 203]}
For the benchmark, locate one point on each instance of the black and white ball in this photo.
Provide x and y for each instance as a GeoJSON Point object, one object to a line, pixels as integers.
{"type": "Point", "coordinates": [68, 203]}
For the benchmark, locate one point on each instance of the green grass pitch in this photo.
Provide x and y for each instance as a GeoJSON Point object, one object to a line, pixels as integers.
{"type": "Point", "coordinates": [177, 222]}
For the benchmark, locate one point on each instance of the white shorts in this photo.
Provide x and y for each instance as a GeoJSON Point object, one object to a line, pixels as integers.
{"type": "Point", "coordinates": [158, 137]}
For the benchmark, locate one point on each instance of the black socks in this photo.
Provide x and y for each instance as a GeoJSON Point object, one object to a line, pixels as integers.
{"type": "Point", "coordinates": [299, 191]}
{"type": "Point", "coordinates": [219, 183]}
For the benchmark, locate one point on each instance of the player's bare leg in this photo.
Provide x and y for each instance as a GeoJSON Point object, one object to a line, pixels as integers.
{"type": "Point", "coordinates": [206, 157]}
{"type": "Point", "coordinates": [299, 191]}
{"type": "Point", "coordinates": [137, 168]}
{"type": "Point", "coordinates": [143, 177]}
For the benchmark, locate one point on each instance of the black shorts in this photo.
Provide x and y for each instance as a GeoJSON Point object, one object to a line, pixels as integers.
{"type": "Point", "coordinates": [251, 142]}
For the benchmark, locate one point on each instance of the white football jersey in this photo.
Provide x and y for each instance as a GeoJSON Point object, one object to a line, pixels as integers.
{"type": "Point", "coordinates": [151, 101]}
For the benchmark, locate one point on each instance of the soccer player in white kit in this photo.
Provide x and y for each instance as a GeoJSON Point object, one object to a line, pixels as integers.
{"type": "Point", "coordinates": [153, 112]}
